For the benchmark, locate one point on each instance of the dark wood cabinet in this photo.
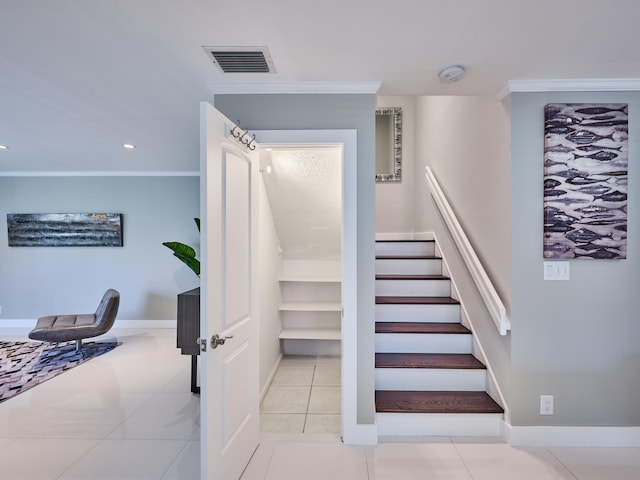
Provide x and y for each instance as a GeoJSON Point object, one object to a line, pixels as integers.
{"type": "Point", "coordinates": [188, 330]}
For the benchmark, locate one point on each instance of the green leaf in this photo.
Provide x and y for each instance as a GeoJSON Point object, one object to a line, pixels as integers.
{"type": "Point", "coordinates": [197, 220]}
{"type": "Point", "coordinates": [186, 254]}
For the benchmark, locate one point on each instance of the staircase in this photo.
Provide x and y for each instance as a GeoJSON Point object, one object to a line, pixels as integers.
{"type": "Point", "coordinates": [428, 382]}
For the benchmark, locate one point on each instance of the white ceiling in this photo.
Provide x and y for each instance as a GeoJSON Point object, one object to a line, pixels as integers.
{"type": "Point", "coordinates": [80, 78]}
{"type": "Point", "coordinates": [304, 187]}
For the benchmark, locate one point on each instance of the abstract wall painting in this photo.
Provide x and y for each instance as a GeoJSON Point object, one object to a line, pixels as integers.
{"type": "Point", "coordinates": [64, 229]}
{"type": "Point", "coordinates": [585, 181]}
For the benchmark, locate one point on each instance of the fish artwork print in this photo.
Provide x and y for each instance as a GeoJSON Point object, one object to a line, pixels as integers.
{"type": "Point", "coordinates": [585, 181]}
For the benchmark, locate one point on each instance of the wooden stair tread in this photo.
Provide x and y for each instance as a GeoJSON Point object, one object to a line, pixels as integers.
{"type": "Point", "coordinates": [435, 402]}
{"type": "Point", "coordinates": [428, 360]}
{"type": "Point", "coordinates": [413, 240]}
{"type": "Point", "coordinates": [387, 276]}
{"type": "Point", "coordinates": [407, 257]}
{"type": "Point", "coordinates": [416, 300]}
{"type": "Point", "coordinates": [420, 327]}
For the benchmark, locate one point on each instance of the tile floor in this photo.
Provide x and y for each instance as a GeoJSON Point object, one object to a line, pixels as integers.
{"type": "Point", "coordinates": [304, 397]}
{"type": "Point", "coordinates": [129, 415]}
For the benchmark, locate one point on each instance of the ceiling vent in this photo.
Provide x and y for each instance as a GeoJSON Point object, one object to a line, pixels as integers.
{"type": "Point", "coordinates": [241, 59]}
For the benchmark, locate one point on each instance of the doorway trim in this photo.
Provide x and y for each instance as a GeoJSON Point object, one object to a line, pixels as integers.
{"type": "Point", "coordinates": [347, 139]}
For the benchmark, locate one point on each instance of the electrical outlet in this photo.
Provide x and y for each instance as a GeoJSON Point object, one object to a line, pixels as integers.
{"type": "Point", "coordinates": [546, 404]}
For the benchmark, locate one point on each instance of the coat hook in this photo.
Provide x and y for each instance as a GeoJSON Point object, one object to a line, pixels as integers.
{"type": "Point", "coordinates": [233, 130]}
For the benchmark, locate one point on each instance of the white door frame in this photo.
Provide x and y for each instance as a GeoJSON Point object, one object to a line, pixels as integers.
{"type": "Point", "coordinates": [352, 433]}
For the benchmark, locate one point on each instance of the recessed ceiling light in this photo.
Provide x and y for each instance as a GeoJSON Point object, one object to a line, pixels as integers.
{"type": "Point", "coordinates": [128, 146]}
{"type": "Point", "coordinates": [3, 147]}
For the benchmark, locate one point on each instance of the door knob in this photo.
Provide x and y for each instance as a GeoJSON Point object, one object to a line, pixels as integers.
{"type": "Point", "coordinates": [217, 340]}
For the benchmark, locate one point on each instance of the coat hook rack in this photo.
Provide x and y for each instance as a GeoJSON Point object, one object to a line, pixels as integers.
{"type": "Point", "coordinates": [241, 135]}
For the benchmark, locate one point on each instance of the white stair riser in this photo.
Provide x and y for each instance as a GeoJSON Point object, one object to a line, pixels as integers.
{"type": "Point", "coordinates": [447, 313]}
{"type": "Point", "coordinates": [421, 343]}
{"type": "Point", "coordinates": [424, 266]}
{"type": "Point", "coordinates": [430, 379]}
{"type": "Point", "coordinates": [413, 288]}
{"type": "Point", "coordinates": [440, 424]}
{"type": "Point", "coordinates": [406, 248]}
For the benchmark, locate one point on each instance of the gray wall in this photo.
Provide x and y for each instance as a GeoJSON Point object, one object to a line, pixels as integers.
{"type": "Point", "coordinates": [578, 340]}
{"type": "Point", "coordinates": [294, 112]}
{"type": "Point", "coordinates": [36, 281]}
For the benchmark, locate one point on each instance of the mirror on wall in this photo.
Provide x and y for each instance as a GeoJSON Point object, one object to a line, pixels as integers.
{"type": "Point", "coordinates": [388, 144]}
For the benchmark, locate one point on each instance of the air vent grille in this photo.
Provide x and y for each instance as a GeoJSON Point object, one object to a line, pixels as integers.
{"type": "Point", "coordinates": [247, 60]}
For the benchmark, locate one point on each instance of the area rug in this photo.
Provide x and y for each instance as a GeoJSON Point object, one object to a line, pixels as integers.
{"type": "Point", "coordinates": [23, 365]}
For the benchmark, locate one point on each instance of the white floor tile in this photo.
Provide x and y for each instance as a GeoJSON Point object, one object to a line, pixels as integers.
{"type": "Point", "coordinates": [286, 399]}
{"type": "Point", "coordinates": [187, 465]}
{"type": "Point", "coordinates": [325, 399]}
{"type": "Point", "coordinates": [297, 361]}
{"type": "Point", "coordinates": [138, 397]}
{"type": "Point", "coordinates": [282, 422]}
{"type": "Point", "coordinates": [315, 461]}
{"type": "Point", "coordinates": [294, 375]}
{"type": "Point", "coordinates": [164, 416]}
{"type": "Point", "coordinates": [126, 460]}
{"type": "Point", "coordinates": [323, 423]}
{"type": "Point", "coordinates": [41, 458]}
{"type": "Point", "coordinates": [90, 415]}
{"type": "Point", "coordinates": [180, 383]}
{"type": "Point", "coordinates": [600, 463]}
{"type": "Point", "coordinates": [328, 375]}
{"type": "Point", "coordinates": [501, 461]}
{"type": "Point", "coordinates": [329, 361]}
{"type": "Point", "coordinates": [414, 461]}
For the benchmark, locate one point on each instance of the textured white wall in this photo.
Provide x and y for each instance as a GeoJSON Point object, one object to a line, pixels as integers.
{"type": "Point", "coordinates": [270, 262]}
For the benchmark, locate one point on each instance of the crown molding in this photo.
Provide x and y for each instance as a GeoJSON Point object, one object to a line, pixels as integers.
{"type": "Point", "coordinates": [102, 174]}
{"type": "Point", "coordinates": [299, 88]}
{"type": "Point", "coordinates": [570, 85]}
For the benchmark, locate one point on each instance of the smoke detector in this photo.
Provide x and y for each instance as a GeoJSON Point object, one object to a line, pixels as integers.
{"type": "Point", "coordinates": [451, 74]}
{"type": "Point", "coordinates": [241, 59]}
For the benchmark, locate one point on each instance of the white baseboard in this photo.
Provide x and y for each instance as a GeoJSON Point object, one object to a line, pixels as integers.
{"type": "Point", "coordinates": [573, 436]}
{"type": "Point", "coordinates": [28, 324]}
{"type": "Point", "coordinates": [360, 434]}
{"type": "Point", "coordinates": [272, 374]}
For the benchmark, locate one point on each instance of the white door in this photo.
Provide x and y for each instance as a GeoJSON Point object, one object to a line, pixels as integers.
{"type": "Point", "coordinates": [230, 415]}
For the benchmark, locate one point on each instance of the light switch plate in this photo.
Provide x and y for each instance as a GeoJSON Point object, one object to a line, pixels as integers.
{"type": "Point", "coordinates": [557, 271]}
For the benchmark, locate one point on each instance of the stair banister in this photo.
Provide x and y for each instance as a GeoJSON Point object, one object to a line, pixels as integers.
{"type": "Point", "coordinates": [487, 291]}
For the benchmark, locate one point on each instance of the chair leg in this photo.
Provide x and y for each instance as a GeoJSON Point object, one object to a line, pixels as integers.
{"type": "Point", "coordinates": [78, 345]}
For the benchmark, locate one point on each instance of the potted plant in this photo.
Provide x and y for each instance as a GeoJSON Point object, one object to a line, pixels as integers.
{"type": "Point", "coordinates": [188, 319]}
{"type": "Point", "coordinates": [186, 253]}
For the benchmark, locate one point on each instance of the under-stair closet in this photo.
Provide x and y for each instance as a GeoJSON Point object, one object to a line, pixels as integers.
{"type": "Point", "coordinates": [303, 187]}
{"type": "Point", "coordinates": [428, 378]}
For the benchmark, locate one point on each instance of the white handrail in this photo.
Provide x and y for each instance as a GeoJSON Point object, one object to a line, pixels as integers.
{"type": "Point", "coordinates": [487, 291]}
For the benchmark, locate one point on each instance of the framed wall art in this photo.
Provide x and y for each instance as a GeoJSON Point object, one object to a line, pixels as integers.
{"type": "Point", "coordinates": [585, 180]}
{"type": "Point", "coordinates": [64, 229]}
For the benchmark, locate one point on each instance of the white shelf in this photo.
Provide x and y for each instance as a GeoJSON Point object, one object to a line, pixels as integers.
{"type": "Point", "coordinates": [310, 334]}
{"type": "Point", "coordinates": [311, 307]}
{"type": "Point", "coordinates": [311, 279]}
